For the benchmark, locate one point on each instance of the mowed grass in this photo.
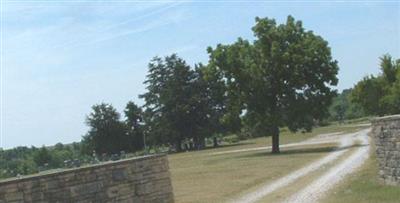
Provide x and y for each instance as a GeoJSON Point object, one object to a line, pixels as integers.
{"type": "Point", "coordinates": [203, 177]}
{"type": "Point", "coordinates": [365, 186]}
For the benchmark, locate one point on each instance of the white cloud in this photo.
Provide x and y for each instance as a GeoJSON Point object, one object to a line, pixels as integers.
{"type": "Point", "coordinates": [70, 31]}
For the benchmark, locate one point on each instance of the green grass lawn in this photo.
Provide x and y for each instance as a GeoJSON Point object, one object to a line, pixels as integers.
{"type": "Point", "coordinates": [287, 137]}
{"type": "Point", "coordinates": [364, 186]}
{"type": "Point", "coordinates": [203, 177]}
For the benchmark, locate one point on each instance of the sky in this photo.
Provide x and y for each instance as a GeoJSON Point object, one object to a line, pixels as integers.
{"type": "Point", "coordinates": [59, 58]}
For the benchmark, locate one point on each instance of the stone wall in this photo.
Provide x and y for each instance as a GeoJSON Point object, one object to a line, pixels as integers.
{"type": "Point", "coordinates": [386, 132]}
{"type": "Point", "coordinates": [143, 179]}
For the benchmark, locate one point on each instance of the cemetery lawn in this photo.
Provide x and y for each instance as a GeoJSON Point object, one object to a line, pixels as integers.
{"type": "Point", "coordinates": [200, 176]}
{"type": "Point", "coordinates": [364, 186]}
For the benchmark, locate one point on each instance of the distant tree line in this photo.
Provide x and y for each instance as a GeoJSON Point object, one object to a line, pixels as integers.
{"type": "Point", "coordinates": [28, 160]}
{"type": "Point", "coordinates": [380, 95]}
{"type": "Point", "coordinates": [372, 96]}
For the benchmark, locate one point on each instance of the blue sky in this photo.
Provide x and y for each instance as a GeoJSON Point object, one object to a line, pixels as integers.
{"type": "Point", "coordinates": [60, 58]}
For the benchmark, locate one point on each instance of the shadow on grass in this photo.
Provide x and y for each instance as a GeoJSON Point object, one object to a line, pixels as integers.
{"type": "Point", "coordinates": [229, 145]}
{"type": "Point", "coordinates": [285, 152]}
{"type": "Point", "coordinates": [214, 148]}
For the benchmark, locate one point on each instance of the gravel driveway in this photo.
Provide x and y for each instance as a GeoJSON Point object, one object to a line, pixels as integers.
{"type": "Point", "coordinates": [322, 184]}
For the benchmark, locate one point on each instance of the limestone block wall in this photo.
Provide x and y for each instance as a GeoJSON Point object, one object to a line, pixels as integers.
{"type": "Point", "coordinates": [143, 179]}
{"type": "Point", "coordinates": [386, 133]}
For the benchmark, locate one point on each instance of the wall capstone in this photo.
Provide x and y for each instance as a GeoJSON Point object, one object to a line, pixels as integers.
{"type": "Point", "coordinates": [140, 179]}
{"type": "Point", "coordinates": [386, 133]}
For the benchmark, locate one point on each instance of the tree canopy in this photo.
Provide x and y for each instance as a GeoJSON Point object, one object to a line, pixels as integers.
{"type": "Point", "coordinates": [107, 134]}
{"type": "Point", "coordinates": [182, 102]}
{"type": "Point", "coordinates": [380, 95]}
{"type": "Point", "coordinates": [134, 124]}
{"type": "Point", "coordinates": [283, 78]}
{"type": "Point", "coordinates": [168, 100]}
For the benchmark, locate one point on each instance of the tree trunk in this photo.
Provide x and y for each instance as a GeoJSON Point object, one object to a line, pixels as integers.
{"type": "Point", "coordinates": [202, 143]}
{"type": "Point", "coordinates": [215, 141]}
{"type": "Point", "coordinates": [275, 140]}
{"type": "Point", "coordinates": [178, 146]}
{"type": "Point", "coordinates": [199, 143]}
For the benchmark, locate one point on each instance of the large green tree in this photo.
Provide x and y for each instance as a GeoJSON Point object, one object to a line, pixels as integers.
{"type": "Point", "coordinates": [283, 78]}
{"type": "Point", "coordinates": [183, 103]}
{"type": "Point", "coordinates": [369, 93]}
{"type": "Point", "coordinates": [107, 134]}
{"type": "Point", "coordinates": [134, 124]}
{"type": "Point", "coordinates": [380, 95]}
{"type": "Point", "coordinates": [391, 74]}
{"type": "Point", "coordinates": [168, 101]}
{"type": "Point", "coordinates": [209, 102]}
